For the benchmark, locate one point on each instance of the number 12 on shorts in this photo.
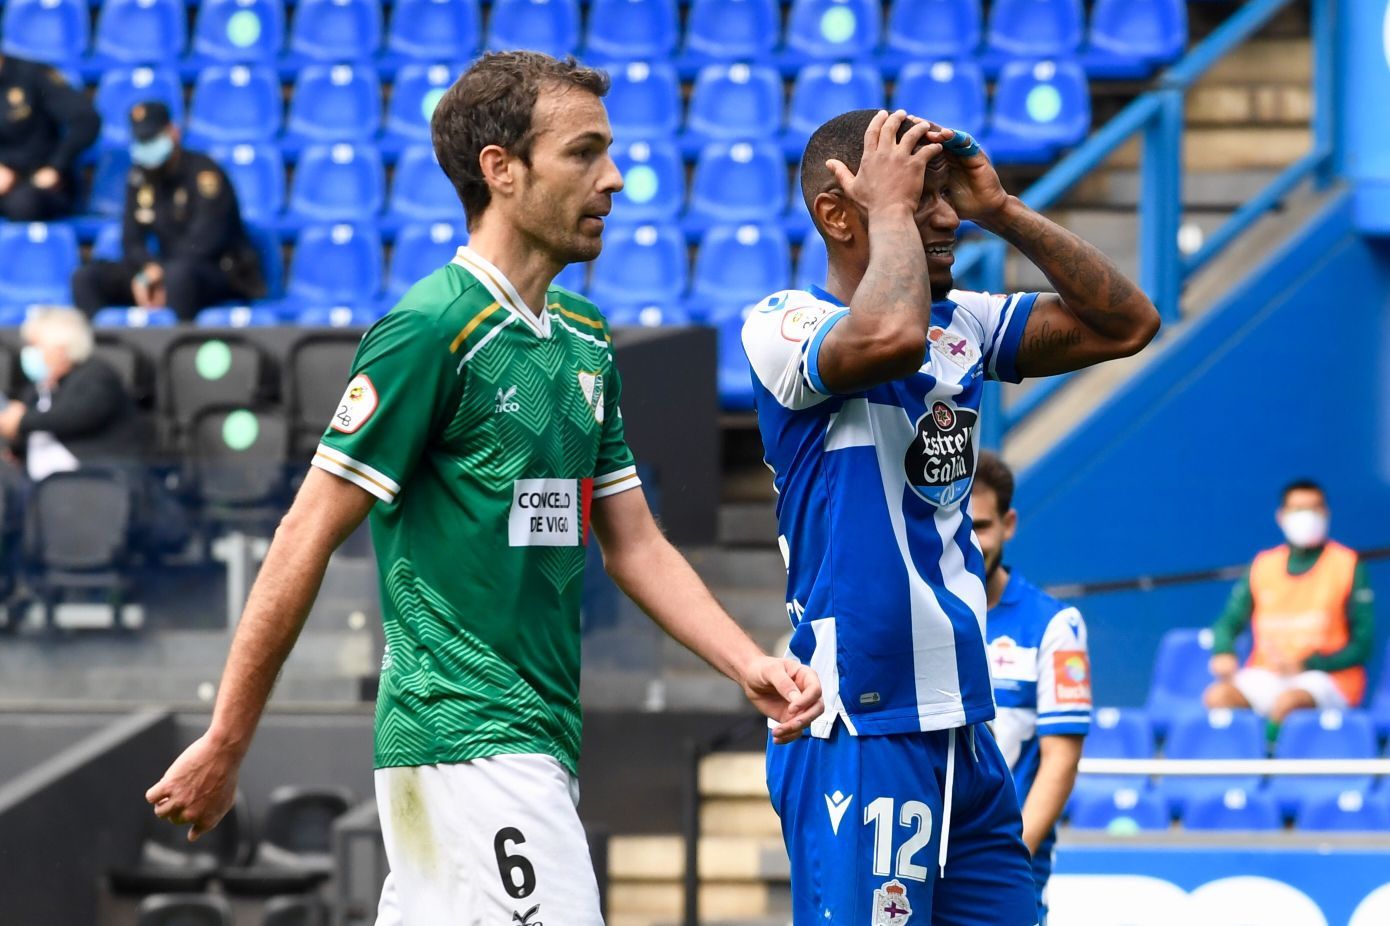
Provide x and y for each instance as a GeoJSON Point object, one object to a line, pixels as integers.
{"type": "Point", "coordinates": [915, 815]}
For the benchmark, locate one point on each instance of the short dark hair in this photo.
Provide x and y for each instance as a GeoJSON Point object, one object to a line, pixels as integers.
{"type": "Point", "coordinates": [840, 139]}
{"type": "Point", "coordinates": [994, 474]}
{"type": "Point", "coordinates": [492, 104]}
{"type": "Point", "coordinates": [1301, 485]}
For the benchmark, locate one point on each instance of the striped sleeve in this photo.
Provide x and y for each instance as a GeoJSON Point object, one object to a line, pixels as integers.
{"type": "Point", "coordinates": [1002, 320]}
{"type": "Point", "coordinates": [782, 337]}
{"type": "Point", "coordinates": [1064, 677]}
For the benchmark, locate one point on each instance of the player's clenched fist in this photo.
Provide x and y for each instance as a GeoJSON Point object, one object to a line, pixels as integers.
{"type": "Point", "coordinates": [892, 168]}
{"type": "Point", "coordinates": [198, 789]}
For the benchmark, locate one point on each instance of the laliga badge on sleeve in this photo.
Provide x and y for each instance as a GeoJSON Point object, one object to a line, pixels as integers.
{"type": "Point", "coordinates": [357, 406]}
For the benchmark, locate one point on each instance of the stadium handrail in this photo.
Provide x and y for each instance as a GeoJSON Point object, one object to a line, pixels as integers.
{"type": "Point", "coordinates": [1158, 115]}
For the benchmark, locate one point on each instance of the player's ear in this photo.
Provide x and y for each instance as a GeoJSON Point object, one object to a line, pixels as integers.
{"type": "Point", "coordinates": [833, 216]}
{"type": "Point", "coordinates": [1010, 524]}
{"type": "Point", "coordinates": [498, 167]}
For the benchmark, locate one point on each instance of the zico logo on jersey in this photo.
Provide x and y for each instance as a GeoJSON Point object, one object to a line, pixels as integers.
{"type": "Point", "coordinates": [1072, 672]}
{"type": "Point", "coordinates": [940, 462]}
{"type": "Point", "coordinates": [549, 512]}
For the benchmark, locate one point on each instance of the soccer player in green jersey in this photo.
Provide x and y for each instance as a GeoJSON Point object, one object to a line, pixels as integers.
{"type": "Point", "coordinates": [481, 430]}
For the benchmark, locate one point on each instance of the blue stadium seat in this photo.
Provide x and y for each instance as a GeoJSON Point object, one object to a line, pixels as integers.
{"type": "Point", "coordinates": [646, 316]}
{"type": "Point", "coordinates": [337, 316]}
{"type": "Point", "coordinates": [1129, 38]}
{"type": "Point", "coordinates": [735, 379]}
{"type": "Point", "coordinates": [236, 316]}
{"type": "Point", "coordinates": [335, 265]}
{"type": "Point", "coordinates": [121, 88]}
{"type": "Point", "coordinates": [923, 30]}
{"type": "Point", "coordinates": [141, 31]}
{"type": "Point", "coordinates": [107, 244]}
{"type": "Point", "coordinates": [1180, 675]}
{"type": "Point", "coordinates": [266, 241]}
{"type": "Point", "coordinates": [653, 182]}
{"type": "Point", "coordinates": [1116, 734]}
{"type": "Point", "coordinates": [45, 30]}
{"type": "Point", "coordinates": [951, 93]}
{"type": "Point", "coordinates": [1123, 812]}
{"type": "Point", "coordinates": [730, 30]}
{"type": "Point", "coordinates": [644, 101]}
{"type": "Point", "coordinates": [334, 102]}
{"type": "Point", "coordinates": [414, 94]}
{"type": "Point", "coordinates": [421, 249]}
{"type": "Point", "coordinates": [337, 183]}
{"type": "Point", "coordinates": [1039, 107]}
{"type": "Point", "coordinates": [36, 263]}
{"type": "Point", "coordinates": [738, 182]}
{"type": "Point", "coordinates": [257, 173]}
{"type": "Point", "coordinates": [1350, 811]}
{"type": "Point", "coordinates": [1380, 699]}
{"type": "Point", "coordinates": [831, 30]}
{"type": "Point", "coordinates": [1329, 734]}
{"type": "Point", "coordinates": [626, 30]}
{"type": "Point", "coordinates": [1035, 28]}
{"type": "Point", "coordinates": [550, 26]}
{"type": "Point", "coordinates": [420, 191]}
{"type": "Point", "coordinates": [640, 265]}
{"type": "Point", "coordinates": [434, 30]}
{"type": "Point", "coordinates": [134, 317]}
{"type": "Point", "coordinates": [738, 265]}
{"type": "Point", "coordinates": [336, 31]}
{"type": "Point", "coordinates": [823, 91]}
{"type": "Point", "coordinates": [239, 31]}
{"type": "Point", "coordinates": [1234, 809]}
{"type": "Point", "coordinates": [1217, 734]}
{"type": "Point", "coordinates": [811, 263]}
{"type": "Point", "coordinates": [234, 103]}
{"type": "Point", "coordinates": [106, 195]}
{"type": "Point", "coordinates": [732, 102]}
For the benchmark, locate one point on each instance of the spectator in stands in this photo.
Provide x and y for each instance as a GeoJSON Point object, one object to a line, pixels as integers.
{"type": "Point", "coordinates": [1040, 670]}
{"type": "Point", "coordinates": [46, 125]}
{"type": "Point", "coordinates": [1309, 607]}
{"type": "Point", "coordinates": [184, 201]}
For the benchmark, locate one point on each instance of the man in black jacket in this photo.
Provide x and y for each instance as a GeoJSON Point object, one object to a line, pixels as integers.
{"type": "Point", "coordinates": [44, 125]}
{"type": "Point", "coordinates": [182, 200]}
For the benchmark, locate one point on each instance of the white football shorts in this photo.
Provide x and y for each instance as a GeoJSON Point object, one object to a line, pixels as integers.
{"type": "Point", "coordinates": [1262, 688]}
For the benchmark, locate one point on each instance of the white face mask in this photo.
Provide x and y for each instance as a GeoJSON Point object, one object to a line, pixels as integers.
{"type": "Point", "coordinates": [1305, 529]}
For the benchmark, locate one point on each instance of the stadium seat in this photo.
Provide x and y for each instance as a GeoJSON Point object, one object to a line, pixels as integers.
{"type": "Point", "coordinates": [77, 535]}
{"type": "Point", "coordinates": [950, 93]}
{"type": "Point", "coordinates": [1122, 812]}
{"type": "Point", "coordinates": [1035, 28]}
{"type": "Point", "coordinates": [644, 101]}
{"type": "Point", "coordinates": [1128, 38]}
{"type": "Point", "coordinates": [421, 249]}
{"type": "Point", "coordinates": [434, 30]}
{"type": "Point", "coordinates": [121, 88]}
{"type": "Point", "coordinates": [337, 183]}
{"type": "Point", "coordinates": [336, 31]}
{"type": "Point", "coordinates": [414, 94]}
{"type": "Point", "coordinates": [336, 102]}
{"type": "Point", "coordinates": [653, 182]}
{"type": "Point", "coordinates": [141, 31]}
{"type": "Point", "coordinates": [294, 853]}
{"type": "Point", "coordinates": [420, 191]}
{"type": "Point", "coordinates": [1180, 674]}
{"type": "Point", "coordinates": [130, 362]}
{"type": "Point", "coordinates": [1216, 734]}
{"type": "Point", "coordinates": [737, 182]}
{"type": "Point", "coordinates": [734, 376]}
{"type": "Point", "coordinates": [732, 102]}
{"type": "Point", "coordinates": [1235, 809]}
{"type": "Point", "coordinates": [236, 316]}
{"type": "Point", "coordinates": [738, 265]}
{"type": "Point", "coordinates": [134, 317]}
{"type": "Point", "coordinates": [316, 370]}
{"type": "Point", "coordinates": [294, 911]}
{"type": "Point", "coordinates": [627, 30]}
{"type": "Point", "coordinates": [36, 263]}
{"type": "Point", "coordinates": [1349, 811]}
{"type": "Point", "coordinates": [52, 31]}
{"type": "Point", "coordinates": [1039, 107]}
{"type": "Point", "coordinates": [550, 26]}
{"type": "Point", "coordinates": [184, 910]}
{"type": "Point", "coordinates": [336, 316]}
{"type": "Point", "coordinates": [234, 103]}
{"type": "Point", "coordinates": [239, 31]}
{"type": "Point", "coordinates": [204, 371]}
{"type": "Point", "coordinates": [107, 244]}
{"type": "Point", "coordinates": [823, 91]}
{"type": "Point", "coordinates": [812, 263]}
{"type": "Point", "coordinates": [266, 241]}
{"type": "Point", "coordinates": [237, 459]}
{"type": "Point", "coordinates": [831, 30]}
{"type": "Point", "coordinates": [257, 173]}
{"type": "Point", "coordinates": [106, 197]}
{"type": "Point", "coordinates": [923, 30]}
{"type": "Point", "coordinates": [1380, 700]}
{"type": "Point", "coordinates": [336, 264]}
{"type": "Point", "coordinates": [647, 316]}
{"type": "Point", "coordinates": [1116, 734]}
{"type": "Point", "coordinates": [1328, 734]}
{"type": "Point", "coordinates": [640, 265]}
{"type": "Point", "coordinates": [730, 30]}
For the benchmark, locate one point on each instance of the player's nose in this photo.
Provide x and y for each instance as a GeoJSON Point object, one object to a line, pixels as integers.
{"type": "Point", "coordinates": [611, 180]}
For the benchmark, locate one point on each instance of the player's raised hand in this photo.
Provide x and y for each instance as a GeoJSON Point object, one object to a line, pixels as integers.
{"type": "Point", "coordinates": [198, 789]}
{"type": "Point", "coordinates": [975, 189]}
{"type": "Point", "coordinates": [786, 691]}
{"type": "Point", "coordinates": [892, 169]}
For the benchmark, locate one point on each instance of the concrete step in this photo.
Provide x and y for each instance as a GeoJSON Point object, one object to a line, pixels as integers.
{"type": "Point", "coordinates": [739, 816]}
{"type": "Point", "coordinates": [722, 858]}
{"type": "Point", "coordinates": [1203, 190]}
{"type": "Point", "coordinates": [734, 775]}
{"type": "Point", "coordinates": [748, 524]}
{"type": "Point", "coordinates": [719, 901]}
{"type": "Point", "coordinates": [1230, 148]}
{"type": "Point", "coordinates": [742, 568]}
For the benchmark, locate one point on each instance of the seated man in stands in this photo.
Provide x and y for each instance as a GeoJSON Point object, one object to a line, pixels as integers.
{"type": "Point", "coordinates": [182, 200]}
{"type": "Point", "coordinates": [1309, 608]}
{"type": "Point", "coordinates": [46, 124]}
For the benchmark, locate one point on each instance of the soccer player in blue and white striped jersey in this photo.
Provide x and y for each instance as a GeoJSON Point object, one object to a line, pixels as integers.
{"type": "Point", "coordinates": [899, 804]}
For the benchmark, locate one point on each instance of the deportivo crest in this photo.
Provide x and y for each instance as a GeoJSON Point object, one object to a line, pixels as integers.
{"type": "Point", "coordinates": [357, 405]}
{"type": "Point", "coordinates": [891, 907]}
{"type": "Point", "coordinates": [940, 462]}
{"type": "Point", "coordinates": [953, 347]}
{"type": "Point", "coordinates": [591, 384]}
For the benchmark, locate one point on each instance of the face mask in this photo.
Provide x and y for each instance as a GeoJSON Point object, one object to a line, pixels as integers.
{"type": "Point", "coordinates": [153, 153]}
{"type": "Point", "coordinates": [32, 363]}
{"type": "Point", "coordinates": [1304, 529]}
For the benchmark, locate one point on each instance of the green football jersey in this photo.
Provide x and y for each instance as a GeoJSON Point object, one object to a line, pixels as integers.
{"type": "Point", "coordinates": [485, 431]}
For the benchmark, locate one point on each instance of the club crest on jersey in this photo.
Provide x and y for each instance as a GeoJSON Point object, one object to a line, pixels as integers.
{"type": "Point", "coordinates": [357, 405]}
{"type": "Point", "coordinates": [953, 347]}
{"type": "Point", "coordinates": [940, 462]}
{"type": "Point", "coordinates": [591, 384]}
{"type": "Point", "coordinates": [891, 907]}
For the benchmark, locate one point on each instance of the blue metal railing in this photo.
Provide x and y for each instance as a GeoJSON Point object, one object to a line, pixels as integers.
{"type": "Point", "coordinates": [1158, 117]}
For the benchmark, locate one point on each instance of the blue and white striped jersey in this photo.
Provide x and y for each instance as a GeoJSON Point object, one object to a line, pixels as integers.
{"type": "Point", "coordinates": [885, 584]}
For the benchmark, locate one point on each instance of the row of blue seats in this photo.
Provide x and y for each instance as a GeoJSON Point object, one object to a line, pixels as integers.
{"type": "Point", "coordinates": [1126, 37]}
{"type": "Point", "coordinates": [1130, 810]}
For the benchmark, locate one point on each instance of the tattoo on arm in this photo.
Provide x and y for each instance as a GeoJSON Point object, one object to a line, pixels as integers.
{"type": "Point", "coordinates": [1049, 338]}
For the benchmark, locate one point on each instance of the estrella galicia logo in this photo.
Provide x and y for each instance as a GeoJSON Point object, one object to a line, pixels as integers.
{"type": "Point", "coordinates": [524, 919]}
{"type": "Point", "coordinates": [940, 462]}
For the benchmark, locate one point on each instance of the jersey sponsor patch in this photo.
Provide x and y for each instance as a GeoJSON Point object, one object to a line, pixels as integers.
{"type": "Point", "coordinates": [940, 461]}
{"type": "Point", "coordinates": [357, 406]}
{"type": "Point", "coordinates": [797, 324]}
{"type": "Point", "coordinates": [1072, 672]}
{"type": "Point", "coordinates": [591, 384]}
{"type": "Point", "coordinates": [545, 513]}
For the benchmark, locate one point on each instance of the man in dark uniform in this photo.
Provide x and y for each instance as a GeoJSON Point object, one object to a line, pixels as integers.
{"type": "Point", "coordinates": [182, 200]}
{"type": "Point", "coordinates": [44, 125]}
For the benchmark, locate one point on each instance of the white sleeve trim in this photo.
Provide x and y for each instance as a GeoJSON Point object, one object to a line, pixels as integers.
{"type": "Point", "coordinates": [356, 472]}
{"type": "Point", "coordinates": [615, 482]}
